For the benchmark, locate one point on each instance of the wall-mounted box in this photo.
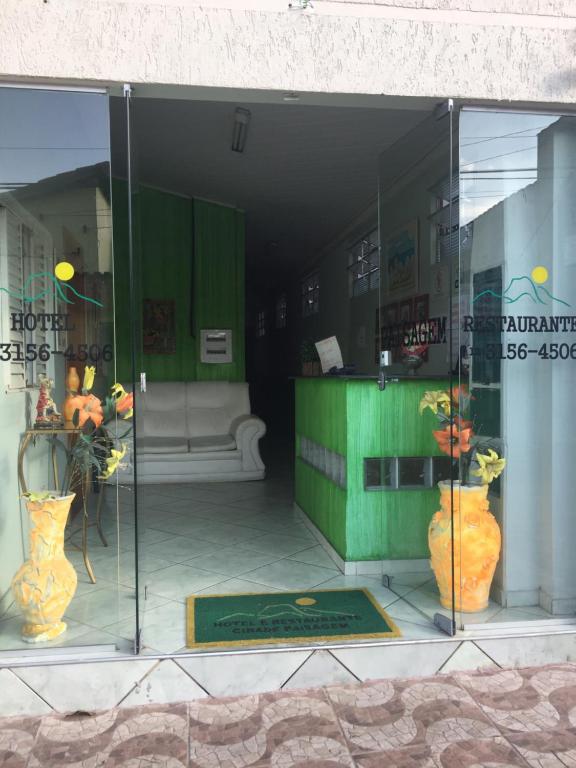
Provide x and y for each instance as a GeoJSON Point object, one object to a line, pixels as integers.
{"type": "Point", "coordinates": [215, 346]}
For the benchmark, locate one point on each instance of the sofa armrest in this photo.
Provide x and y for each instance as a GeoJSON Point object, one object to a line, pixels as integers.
{"type": "Point", "coordinates": [247, 431]}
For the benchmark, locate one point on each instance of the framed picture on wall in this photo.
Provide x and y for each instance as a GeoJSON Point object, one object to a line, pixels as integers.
{"type": "Point", "coordinates": [401, 259]}
{"type": "Point", "coordinates": [159, 327]}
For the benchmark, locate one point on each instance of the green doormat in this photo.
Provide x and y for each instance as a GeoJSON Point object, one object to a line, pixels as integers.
{"type": "Point", "coordinates": [254, 619]}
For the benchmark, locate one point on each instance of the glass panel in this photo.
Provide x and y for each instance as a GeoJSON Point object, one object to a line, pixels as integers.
{"type": "Point", "coordinates": [379, 473]}
{"type": "Point", "coordinates": [518, 286]}
{"type": "Point", "coordinates": [412, 472]}
{"type": "Point", "coordinates": [418, 230]}
{"type": "Point", "coordinates": [58, 411]}
{"type": "Point", "coordinates": [128, 316]}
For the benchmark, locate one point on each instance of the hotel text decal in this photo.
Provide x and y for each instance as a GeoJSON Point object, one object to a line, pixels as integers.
{"type": "Point", "coordinates": [39, 285]}
{"type": "Point", "coordinates": [48, 321]}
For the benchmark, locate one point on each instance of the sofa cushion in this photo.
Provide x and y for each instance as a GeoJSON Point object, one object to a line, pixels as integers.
{"type": "Point", "coordinates": [152, 445]}
{"type": "Point", "coordinates": [161, 410]}
{"type": "Point", "coordinates": [207, 422]}
{"type": "Point", "coordinates": [212, 405]}
{"type": "Point", "coordinates": [212, 443]}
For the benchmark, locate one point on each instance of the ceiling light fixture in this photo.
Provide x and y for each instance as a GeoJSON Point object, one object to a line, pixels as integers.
{"type": "Point", "coordinates": [240, 132]}
{"type": "Point", "coordinates": [291, 97]}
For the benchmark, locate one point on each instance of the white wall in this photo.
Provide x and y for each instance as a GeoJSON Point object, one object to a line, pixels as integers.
{"type": "Point", "coordinates": [421, 48]}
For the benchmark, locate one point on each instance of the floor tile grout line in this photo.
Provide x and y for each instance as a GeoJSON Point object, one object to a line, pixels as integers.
{"type": "Point", "coordinates": [480, 706]}
{"type": "Point", "coordinates": [486, 654]}
{"type": "Point", "coordinates": [298, 668]}
{"type": "Point", "coordinates": [206, 691]}
{"type": "Point", "coordinates": [341, 663]}
{"type": "Point", "coordinates": [339, 725]}
{"type": "Point", "coordinates": [32, 689]}
{"type": "Point", "coordinates": [516, 750]}
{"type": "Point", "coordinates": [439, 670]}
{"type": "Point", "coordinates": [138, 683]}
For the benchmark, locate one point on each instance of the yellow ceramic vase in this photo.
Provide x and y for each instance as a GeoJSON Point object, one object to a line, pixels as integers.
{"type": "Point", "coordinates": [477, 543]}
{"type": "Point", "coordinates": [45, 584]}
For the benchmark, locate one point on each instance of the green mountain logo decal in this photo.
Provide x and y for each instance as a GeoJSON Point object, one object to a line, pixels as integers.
{"type": "Point", "coordinates": [524, 287]}
{"type": "Point", "coordinates": [41, 284]}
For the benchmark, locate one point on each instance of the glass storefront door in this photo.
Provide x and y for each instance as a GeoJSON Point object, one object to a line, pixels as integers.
{"type": "Point", "coordinates": [518, 330]}
{"type": "Point", "coordinates": [67, 573]}
{"type": "Point", "coordinates": [417, 323]}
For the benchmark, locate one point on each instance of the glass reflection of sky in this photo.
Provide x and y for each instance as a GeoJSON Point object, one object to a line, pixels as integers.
{"type": "Point", "coordinates": [44, 133]}
{"type": "Point", "coordinates": [495, 166]}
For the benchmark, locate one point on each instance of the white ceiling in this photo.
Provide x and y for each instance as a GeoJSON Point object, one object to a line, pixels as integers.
{"type": "Point", "coordinates": [306, 171]}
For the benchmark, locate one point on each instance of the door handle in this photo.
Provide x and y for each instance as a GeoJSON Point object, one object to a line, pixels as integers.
{"type": "Point", "coordinates": [143, 381]}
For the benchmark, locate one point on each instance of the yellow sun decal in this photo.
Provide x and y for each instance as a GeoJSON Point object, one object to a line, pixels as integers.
{"type": "Point", "coordinates": [64, 271]}
{"type": "Point", "coordinates": [539, 274]}
{"type": "Point", "coordinates": [305, 601]}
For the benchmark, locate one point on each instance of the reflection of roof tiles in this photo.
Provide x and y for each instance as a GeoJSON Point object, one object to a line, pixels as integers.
{"type": "Point", "coordinates": [97, 175]}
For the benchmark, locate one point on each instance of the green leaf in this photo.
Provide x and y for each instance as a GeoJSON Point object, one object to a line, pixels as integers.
{"type": "Point", "coordinates": [39, 495]}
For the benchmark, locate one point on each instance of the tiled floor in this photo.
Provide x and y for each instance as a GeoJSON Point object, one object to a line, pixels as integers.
{"type": "Point", "coordinates": [503, 718]}
{"type": "Point", "coordinates": [213, 538]}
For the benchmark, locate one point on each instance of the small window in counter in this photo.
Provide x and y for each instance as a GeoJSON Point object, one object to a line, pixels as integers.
{"type": "Point", "coordinates": [413, 472]}
{"type": "Point", "coordinates": [404, 473]}
{"type": "Point", "coordinates": [380, 474]}
{"type": "Point", "coordinates": [329, 463]}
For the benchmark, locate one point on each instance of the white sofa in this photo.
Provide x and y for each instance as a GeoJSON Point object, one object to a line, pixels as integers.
{"type": "Point", "coordinates": [196, 432]}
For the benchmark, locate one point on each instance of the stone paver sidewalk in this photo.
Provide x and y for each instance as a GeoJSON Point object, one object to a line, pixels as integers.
{"type": "Point", "coordinates": [523, 717]}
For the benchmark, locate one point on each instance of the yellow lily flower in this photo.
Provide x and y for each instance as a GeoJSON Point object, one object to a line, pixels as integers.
{"type": "Point", "coordinates": [117, 391]}
{"type": "Point", "coordinates": [89, 373]}
{"type": "Point", "coordinates": [491, 466]}
{"type": "Point", "coordinates": [434, 400]}
{"type": "Point", "coordinates": [113, 462]}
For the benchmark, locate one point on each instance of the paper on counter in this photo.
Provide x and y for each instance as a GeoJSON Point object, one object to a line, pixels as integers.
{"type": "Point", "coordinates": [330, 354]}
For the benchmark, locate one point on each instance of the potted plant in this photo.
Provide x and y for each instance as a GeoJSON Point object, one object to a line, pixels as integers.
{"type": "Point", "coordinates": [309, 358]}
{"type": "Point", "coordinates": [45, 584]}
{"type": "Point", "coordinates": [464, 524]}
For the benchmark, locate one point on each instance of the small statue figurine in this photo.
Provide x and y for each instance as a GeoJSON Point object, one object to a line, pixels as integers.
{"type": "Point", "coordinates": [47, 417]}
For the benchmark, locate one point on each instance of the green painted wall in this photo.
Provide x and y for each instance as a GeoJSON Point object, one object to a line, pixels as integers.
{"type": "Point", "coordinates": [219, 283]}
{"type": "Point", "coordinates": [189, 251]}
{"type": "Point", "coordinates": [324, 502]}
{"type": "Point", "coordinates": [321, 412]}
{"type": "Point", "coordinates": [356, 419]}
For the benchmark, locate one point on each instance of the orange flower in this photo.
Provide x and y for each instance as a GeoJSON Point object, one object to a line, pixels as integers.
{"type": "Point", "coordinates": [453, 441]}
{"type": "Point", "coordinates": [88, 407]}
{"type": "Point", "coordinates": [462, 423]}
{"type": "Point", "coordinates": [458, 392]}
{"type": "Point", "coordinates": [125, 402]}
{"type": "Point", "coordinates": [461, 393]}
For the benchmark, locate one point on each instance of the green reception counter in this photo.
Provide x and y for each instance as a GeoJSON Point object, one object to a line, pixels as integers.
{"type": "Point", "coordinates": [367, 465]}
